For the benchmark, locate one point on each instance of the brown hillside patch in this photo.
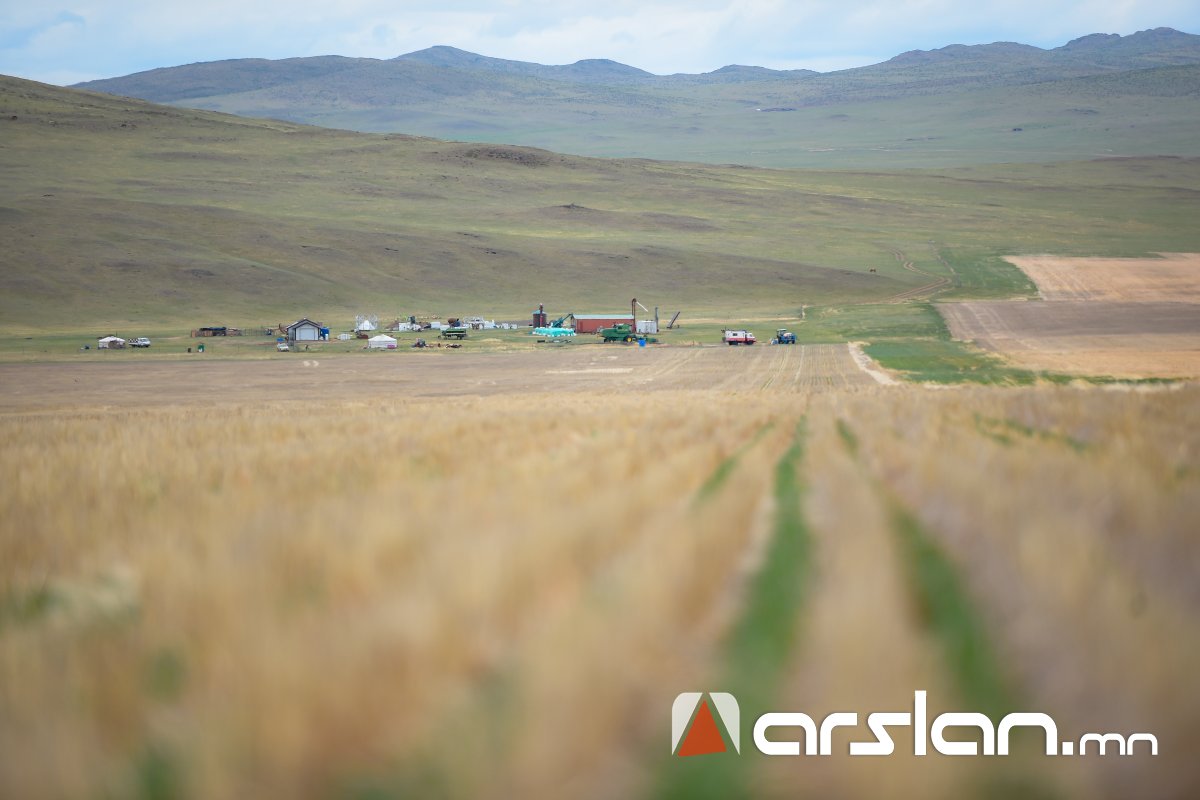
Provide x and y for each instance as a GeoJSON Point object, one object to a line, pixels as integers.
{"type": "Point", "coordinates": [575, 214]}
{"type": "Point", "coordinates": [526, 156]}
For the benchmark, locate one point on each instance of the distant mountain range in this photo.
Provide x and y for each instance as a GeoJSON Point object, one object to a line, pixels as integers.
{"type": "Point", "coordinates": [601, 107]}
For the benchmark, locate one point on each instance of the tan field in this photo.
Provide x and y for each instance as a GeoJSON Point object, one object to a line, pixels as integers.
{"type": "Point", "coordinates": [489, 576]}
{"type": "Point", "coordinates": [1126, 318]}
{"type": "Point", "coordinates": [401, 375]}
{"type": "Point", "coordinates": [1170, 278]}
{"type": "Point", "coordinates": [1125, 340]}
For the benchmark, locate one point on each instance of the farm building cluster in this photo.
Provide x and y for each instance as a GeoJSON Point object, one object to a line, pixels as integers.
{"type": "Point", "coordinates": [305, 332]}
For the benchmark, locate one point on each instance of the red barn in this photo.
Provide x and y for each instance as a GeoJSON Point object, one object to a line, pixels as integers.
{"type": "Point", "coordinates": [590, 323]}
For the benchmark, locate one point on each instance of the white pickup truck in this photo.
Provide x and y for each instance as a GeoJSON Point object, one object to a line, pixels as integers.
{"type": "Point", "coordinates": [739, 337]}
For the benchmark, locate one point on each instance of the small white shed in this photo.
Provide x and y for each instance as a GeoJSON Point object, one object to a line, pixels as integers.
{"type": "Point", "coordinates": [647, 326]}
{"type": "Point", "coordinates": [110, 343]}
{"type": "Point", "coordinates": [381, 342]}
{"type": "Point", "coordinates": [304, 330]}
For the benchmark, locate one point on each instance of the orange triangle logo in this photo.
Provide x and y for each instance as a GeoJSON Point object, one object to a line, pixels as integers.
{"type": "Point", "coordinates": [703, 737]}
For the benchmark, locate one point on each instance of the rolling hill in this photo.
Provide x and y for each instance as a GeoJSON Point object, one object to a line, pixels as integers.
{"type": "Point", "coordinates": [953, 106]}
{"type": "Point", "coordinates": [119, 211]}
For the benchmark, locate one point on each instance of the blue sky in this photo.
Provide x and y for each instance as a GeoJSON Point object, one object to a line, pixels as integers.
{"type": "Point", "coordinates": [64, 41]}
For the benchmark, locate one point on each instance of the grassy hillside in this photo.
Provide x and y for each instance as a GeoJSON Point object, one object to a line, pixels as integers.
{"type": "Point", "coordinates": [1150, 112]}
{"type": "Point", "coordinates": [119, 211]}
{"type": "Point", "coordinates": [955, 106]}
{"type": "Point", "coordinates": [829, 122]}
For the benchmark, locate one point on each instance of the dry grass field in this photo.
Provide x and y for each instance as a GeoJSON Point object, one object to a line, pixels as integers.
{"type": "Point", "coordinates": [387, 577]}
{"type": "Point", "coordinates": [1127, 318]}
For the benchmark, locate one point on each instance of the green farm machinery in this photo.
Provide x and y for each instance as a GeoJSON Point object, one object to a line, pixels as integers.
{"type": "Point", "coordinates": [623, 332]}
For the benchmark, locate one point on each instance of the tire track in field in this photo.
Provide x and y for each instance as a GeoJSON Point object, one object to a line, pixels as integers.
{"type": "Point", "coordinates": [675, 365]}
{"type": "Point", "coordinates": [824, 366]}
{"type": "Point", "coordinates": [805, 357]}
{"type": "Point", "coordinates": [782, 355]}
{"type": "Point", "coordinates": [748, 363]}
{"type": "Point", "coordinates": [940, 282]}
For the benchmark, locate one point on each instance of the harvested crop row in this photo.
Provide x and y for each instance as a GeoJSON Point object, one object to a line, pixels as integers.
{"type": "Point", "coordinates": [500, 596]}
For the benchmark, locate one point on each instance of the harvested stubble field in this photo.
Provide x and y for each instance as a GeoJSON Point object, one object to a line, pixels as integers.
{"type": "Point", "coordinates": [1127, 340]}
{"type": "Point", "coordinates": [399, 375]}
{"type": "Point", "coordinates": [1122, 317]}
{"type": "Point", "coordinates": [1170, 278]}
{"type": "Point", "coordinates": [239, 579]}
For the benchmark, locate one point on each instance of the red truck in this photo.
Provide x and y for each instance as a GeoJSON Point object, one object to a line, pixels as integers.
{"type": "Point", "coordinates": [739, 337]}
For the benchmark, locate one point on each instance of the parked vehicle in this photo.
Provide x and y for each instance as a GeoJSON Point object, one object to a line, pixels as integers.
{"type": "Point", "coordinates": [282, 347]}
{"type": "Point", "coordinates": [455, 332]}
{"type": "Point", "coordinates": [784, 336]}
{"type": "Point", "coordinates": [140, 341]}
{"type": "Point", "coordinates": [739, 337]}
{"type": "Point", "coordinates": [623, 332]}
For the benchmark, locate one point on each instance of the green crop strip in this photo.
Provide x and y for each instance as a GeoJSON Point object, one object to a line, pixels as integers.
{"type": "Point", "coordinates": [724, 469]}
{"type": "Point", "coordinates": [761, 641]}
{"type": "Point", "coordinates": [1000, 430]}
{"type": "Point", "coordinates": [947, 610]}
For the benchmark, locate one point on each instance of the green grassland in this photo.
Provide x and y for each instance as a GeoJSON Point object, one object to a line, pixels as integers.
{"type": "Point", "coordinates": [818, 124]}
{"type": "Point", "coordinates": [119, 214]}
{"type": "Point", "coordinates": [956, 106]}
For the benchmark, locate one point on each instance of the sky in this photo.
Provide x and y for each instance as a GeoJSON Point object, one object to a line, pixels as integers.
{"type": "Point", "coordinates": [70, 41]}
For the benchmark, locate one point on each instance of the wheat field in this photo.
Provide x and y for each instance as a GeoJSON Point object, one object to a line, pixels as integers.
{"type": "Point", "coordinates": [499, 595]}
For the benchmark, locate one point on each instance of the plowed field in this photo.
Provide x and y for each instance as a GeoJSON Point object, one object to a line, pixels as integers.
{"type": "Point", "coordinates": [1089, 337]}
{"type": "Point", "coordinates": [1129, 318]}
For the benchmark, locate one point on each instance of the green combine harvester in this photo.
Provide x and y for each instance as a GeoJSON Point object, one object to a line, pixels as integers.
{"type": "Point", "coordinates": [622, 332]}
